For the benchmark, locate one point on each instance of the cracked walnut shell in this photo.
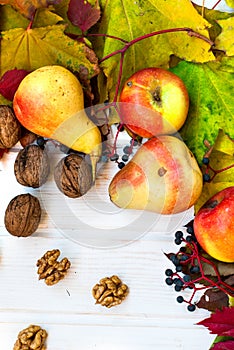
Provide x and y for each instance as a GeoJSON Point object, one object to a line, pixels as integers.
{"type": "Point", "coordinates": [73, 176]}
{"type": "Point", "coordinates": [22, 215]}
{"type": "Point", "coordinates": [110, 291]}
{"type": "Point", "coordinates": [31, 166]}
{"type": "Point", "coordinates": [51, 270]}
{"type": "Point", "coordinates": [31, 338]}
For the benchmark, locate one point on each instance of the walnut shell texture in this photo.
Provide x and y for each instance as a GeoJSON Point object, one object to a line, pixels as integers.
{"type": "Point", "coordinates": [73, 176]}
{"type": "Point", "coordinates": [10, 127]}
{"type": "Point", "coordinates": [31, 166]}
{"type": "Point", "coordinates": [22, 215]}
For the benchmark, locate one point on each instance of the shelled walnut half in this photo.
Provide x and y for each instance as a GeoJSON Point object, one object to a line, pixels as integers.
{"type": "Point", "coordinates": [31, 338]}
{"type": "Point", "coordinates": [110, 291]}
{"type": "Point", "coordinates": [51, 270]}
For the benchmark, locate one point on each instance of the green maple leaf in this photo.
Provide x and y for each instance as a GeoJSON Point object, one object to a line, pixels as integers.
{"type": "Point", "coordinates": [221, 159]}
{"type": "Point", "coordinates": [129, 19]}
{"type": "Point", "coordinates": [33, 48]}
{"type": "Point", "coordinates": [225, 41]}
{"type": "Point", "coordinates": [211, 92]}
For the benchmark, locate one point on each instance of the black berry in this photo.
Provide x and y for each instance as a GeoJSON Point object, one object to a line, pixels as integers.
{"type": "Point", "coordinates": [121, 165]}
{"type": "Point", "coordinates": [114, 157]}
{"type": "Point", "coordinates": [205, 160]}
{"type": "Point", "coordinates": [206, 177]}
{"type": "Point", "coordinates": [191, 307]}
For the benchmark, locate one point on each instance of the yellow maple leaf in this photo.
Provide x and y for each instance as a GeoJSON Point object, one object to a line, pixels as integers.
{"type": "Point", "coordinates": [225, 41]}
{"type": "Point", "coordinates": [33, 48]}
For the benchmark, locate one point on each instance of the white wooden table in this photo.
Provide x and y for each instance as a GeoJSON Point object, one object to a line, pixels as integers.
{"type": "Point", "coordinates": [150, 317]}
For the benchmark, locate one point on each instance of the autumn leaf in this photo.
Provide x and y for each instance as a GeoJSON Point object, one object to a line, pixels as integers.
{"type": "Point", "coordinates": [20, 49]}
{"type": "Point", "coordinates": [230, 3]}
{"type": "Point", "coordinates": [129, 20]}
{"type": "Point", "coordinates": [213, 299]}
{"type": "Point", "coordinates": [211, 92]}
{"type": "Point", "coordinates": [213, 16]}
{"type": "Point", "coordinates": [10, 81]}
{"type": "Point", "coordinates": [221, 158]}
{"type": "Point", "coordinates": [28, 7]}
{"type": "Point", "coordinates": [221, 322]}
{"type": "Point", "coordinates": [10, 18]}
{"type": "Point", "coordinates": [82, 14]}
{"type": "Point", "coordinates": [225, 41]}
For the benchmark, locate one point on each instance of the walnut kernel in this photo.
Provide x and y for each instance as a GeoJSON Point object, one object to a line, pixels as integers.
{"type": "Point", "coordinates": [51, 270]}
{"type": "Point", "coordinates": [110, 291]}
{"type": "Point", "coordinates": [31, 338]}
{"type": "Point", "coordinates": [22, 215]}
{"type": "Point", "coordinates": [31, 166]}
{"type": "Point", "coordinates": [10, 127]}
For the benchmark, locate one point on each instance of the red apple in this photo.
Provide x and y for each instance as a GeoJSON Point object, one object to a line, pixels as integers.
{"type": "Point", "coordinates": [214, 225]}
{"type": "Point", "coordinates": [153, 101]}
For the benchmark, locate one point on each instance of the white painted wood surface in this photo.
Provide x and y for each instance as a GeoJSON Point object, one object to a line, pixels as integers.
{"type": "Point", "coordinates": [149, 318]}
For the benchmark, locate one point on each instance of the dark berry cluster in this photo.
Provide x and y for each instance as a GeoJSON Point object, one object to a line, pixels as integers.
{"type": "Point", "coordinates": [188, 272]}
{"type": "Point", "coordinates": [181, 277]}
{"type": "Point", "coordinates": [127, 151]}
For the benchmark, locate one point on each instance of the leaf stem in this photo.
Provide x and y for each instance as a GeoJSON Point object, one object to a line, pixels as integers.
{"type": "Point", "coordinates": [216, 4]}
{"type": "Point", "coordinates": [128, 44]}
{"type": "Point", "coordinates": [108, 36]}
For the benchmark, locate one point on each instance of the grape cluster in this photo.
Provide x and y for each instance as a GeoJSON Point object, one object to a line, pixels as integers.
{"type": "Point", "coordinates": [185, 266]}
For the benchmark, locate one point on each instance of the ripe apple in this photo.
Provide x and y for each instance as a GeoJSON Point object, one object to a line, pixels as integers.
{"type": "Point", "coordinates": [163, 177]}
{"type": "Point", "coordinates": [153, 101]}
{"type": "Point", "coordinates": [214, 225]}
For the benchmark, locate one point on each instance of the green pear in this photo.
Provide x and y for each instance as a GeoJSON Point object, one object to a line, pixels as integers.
{"type": "Point", "coordinates": [163, 177]}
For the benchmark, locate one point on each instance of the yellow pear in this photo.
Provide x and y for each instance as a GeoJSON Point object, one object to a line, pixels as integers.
{"type": "Point", "coordinates": [50, 102]}
{"type": "Point", "coordinates": [163, 177]}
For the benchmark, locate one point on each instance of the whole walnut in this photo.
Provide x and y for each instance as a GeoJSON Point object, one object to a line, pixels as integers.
{"type": "Point", "coordinates": [73, 175]}
{"type": "Point", "coordinates": [10, 127]}
{"type": "Point", "coordinates": [31, 166]}
{"type": "Point", "coordinates": [22, 215]}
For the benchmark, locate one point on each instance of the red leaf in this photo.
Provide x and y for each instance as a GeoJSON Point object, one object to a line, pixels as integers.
{"type": "Point", "coordinates": [10, 81]}
{"type": "Point", "coordinates": [224, 345]}
{"type": "Point", "coordinates": [221, 322]}
{"type": "Point", "coordinates": [82, 14]}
